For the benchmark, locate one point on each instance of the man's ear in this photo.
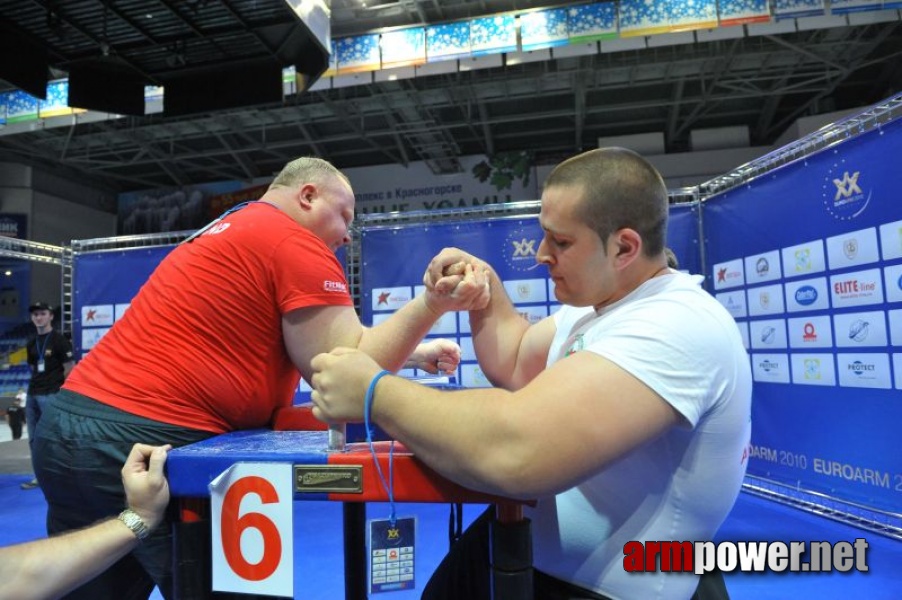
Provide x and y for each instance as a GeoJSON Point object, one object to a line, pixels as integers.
{"type": "Point", "coordinates": [627, 245]}
{"type": "Point", "coordinates": [306, 195]}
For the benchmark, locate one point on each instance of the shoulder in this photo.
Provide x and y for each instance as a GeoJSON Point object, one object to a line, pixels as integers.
{"type": "Point", "coordinates": [59, 337]}
{"type": "Point", "coordinates": [672, 311]}
{"type": "Point", "coordinates": [568, 315]}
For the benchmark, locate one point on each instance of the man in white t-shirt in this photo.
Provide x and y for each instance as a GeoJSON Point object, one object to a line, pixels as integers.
{"type": "Point", "coordinates": [626, 413]}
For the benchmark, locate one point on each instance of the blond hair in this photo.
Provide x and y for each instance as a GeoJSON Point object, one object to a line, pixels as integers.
{"type": "Point", "coordinates": [307, 169]}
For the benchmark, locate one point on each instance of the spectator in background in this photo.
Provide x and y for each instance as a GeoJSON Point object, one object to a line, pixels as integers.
{"type": "Point", "coordinates": [671, 257]}
{"type": "Point", "coordinates": [15, 414]}
{"type": "Point", "coordinates": [50, 360]}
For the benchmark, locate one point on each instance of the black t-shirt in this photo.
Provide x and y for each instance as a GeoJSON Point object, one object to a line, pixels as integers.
{"type": "Point", "coordinates": [56, 351]}
{"type": "Point", "coordinates": [16, 414]}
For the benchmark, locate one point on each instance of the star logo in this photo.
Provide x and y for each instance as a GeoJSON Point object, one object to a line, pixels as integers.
{"type": "Point", "coordinates": [847, 186]}
{"type": "Point", "coordinates": [383, 298]}
{"type": "Point", "coordinates": [90, 315]}
{"type": "Point", "coordinates": [722, 274]}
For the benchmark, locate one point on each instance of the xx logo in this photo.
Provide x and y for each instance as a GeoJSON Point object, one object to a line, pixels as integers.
{"type": "Point", "coordinates": [524, 248]}
{"type": "Point", "coordinates": [847, 186]}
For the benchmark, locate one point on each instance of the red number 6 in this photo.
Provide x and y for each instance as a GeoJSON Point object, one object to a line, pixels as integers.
{"type": "Point", "coordinates": [231, 527]}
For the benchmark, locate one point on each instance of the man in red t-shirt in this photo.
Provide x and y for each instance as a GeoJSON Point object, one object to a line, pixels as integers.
{"type": "Point", "coordinates": [215, 341]}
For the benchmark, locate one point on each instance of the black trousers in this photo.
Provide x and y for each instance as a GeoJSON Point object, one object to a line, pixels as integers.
{"type": "Point", "coordinates": [465, 572]}
{"type": "Point", "coordinates": [79, 448]}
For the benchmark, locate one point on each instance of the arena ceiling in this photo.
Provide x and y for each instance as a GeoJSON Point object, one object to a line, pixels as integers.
{"type": "Point", "coordinates": [764, 80]}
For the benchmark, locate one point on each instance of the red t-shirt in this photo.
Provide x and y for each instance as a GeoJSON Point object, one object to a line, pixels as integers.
{"type": "Point", "coordinates": [201, 345]}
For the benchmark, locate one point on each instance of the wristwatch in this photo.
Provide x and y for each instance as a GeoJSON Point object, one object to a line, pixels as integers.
{"type": "Point", "coordinates": [133, 521]}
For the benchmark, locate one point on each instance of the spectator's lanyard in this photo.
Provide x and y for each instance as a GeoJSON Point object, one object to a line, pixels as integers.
{"type": "Point", "coordinates": [41, 348]}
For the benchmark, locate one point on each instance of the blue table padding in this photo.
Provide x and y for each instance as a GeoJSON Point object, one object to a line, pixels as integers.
{"type": "Point", "coordinates": [191, 468]}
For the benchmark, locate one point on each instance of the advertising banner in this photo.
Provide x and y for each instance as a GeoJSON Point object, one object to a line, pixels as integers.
{"type": "Point", "coordinates": [104, 284]}
{"type": "Point", "coordinates": [808, 259]}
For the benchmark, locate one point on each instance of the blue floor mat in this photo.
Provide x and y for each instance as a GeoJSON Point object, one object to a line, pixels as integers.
{"type": "Point", "coordinates": [319, 556]}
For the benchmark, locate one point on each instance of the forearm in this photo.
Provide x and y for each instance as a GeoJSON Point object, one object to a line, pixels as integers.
{"type": "Point", "coordinates": [49, 567]}
{"type": "Point", "coordinates": [465, 436]}
{"type": "Point", "coordinates": [391, 342]}
{"type": "Point", "coordinates": [498, 331]}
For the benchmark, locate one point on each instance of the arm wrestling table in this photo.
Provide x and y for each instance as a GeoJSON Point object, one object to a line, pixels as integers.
{"type": "Point", "coordinates": [191, 469]}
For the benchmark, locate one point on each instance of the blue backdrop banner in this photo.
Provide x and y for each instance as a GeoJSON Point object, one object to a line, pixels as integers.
{"type": "Point", "coordinates": [104, 284]}
{"type": "Point", "coordinates": [808, 259]}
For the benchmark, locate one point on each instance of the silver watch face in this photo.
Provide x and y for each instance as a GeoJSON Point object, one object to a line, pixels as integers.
{"type": "Point", "coordinates": [134, 522]}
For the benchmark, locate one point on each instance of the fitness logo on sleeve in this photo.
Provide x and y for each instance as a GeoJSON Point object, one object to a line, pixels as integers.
{"type": "Point", "coordinates": [335, 286]}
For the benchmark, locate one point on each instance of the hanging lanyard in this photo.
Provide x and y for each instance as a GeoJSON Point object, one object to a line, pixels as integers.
{"type": "Point", "coordinates": [41, 347]}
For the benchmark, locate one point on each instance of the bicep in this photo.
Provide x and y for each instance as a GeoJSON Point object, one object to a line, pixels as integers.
{"type": "Point", "coordinates": [591, 412]}
{"type": "Point", "coordinates": [313, 330]}
{"type": "Point", "coordinates": [532, 354]}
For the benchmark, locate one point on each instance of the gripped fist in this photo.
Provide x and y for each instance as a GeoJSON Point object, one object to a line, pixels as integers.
{"type": "Point", "coordinates": [340, 380]}
{"type": "Point", "coordinates": [146, 488]}
{"type": "Point", "coordinates": [435, 356]}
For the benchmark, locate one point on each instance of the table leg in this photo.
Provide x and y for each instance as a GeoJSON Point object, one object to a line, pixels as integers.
{"type": "Point", "coordinates": [191, 550]}
{"type": "Point", "coordinates": [354, 523]}
{"type": "Point", "coordinates": [511, 540]}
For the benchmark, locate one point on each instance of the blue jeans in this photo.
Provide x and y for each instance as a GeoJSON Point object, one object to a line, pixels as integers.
{"type": "Point", "coordinates": [35, 405]}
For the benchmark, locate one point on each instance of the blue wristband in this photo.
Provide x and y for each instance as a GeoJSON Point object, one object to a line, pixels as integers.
{"type": "Point", "coordinates": [367, 415]}
{"type": "Point", "coordinates": [368, 400]}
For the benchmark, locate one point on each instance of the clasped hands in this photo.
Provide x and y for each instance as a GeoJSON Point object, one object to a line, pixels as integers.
{"type": "Point", "coordinates": [455, 281]}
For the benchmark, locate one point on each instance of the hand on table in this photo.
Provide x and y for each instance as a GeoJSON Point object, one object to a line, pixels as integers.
{"type": "Point", "coordinates": [146, 488]}
{"type": "Point", "coordinates": [340, 380]}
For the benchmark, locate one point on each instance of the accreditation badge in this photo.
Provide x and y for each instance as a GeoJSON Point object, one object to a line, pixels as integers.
{"type": "Point", "coordinates": [391, 554]}
{"type": "Point", "coordinates": [41, 366]}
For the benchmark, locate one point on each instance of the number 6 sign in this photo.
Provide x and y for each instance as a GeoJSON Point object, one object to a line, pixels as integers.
{"type": "Point", "coordinates": [253, 531]}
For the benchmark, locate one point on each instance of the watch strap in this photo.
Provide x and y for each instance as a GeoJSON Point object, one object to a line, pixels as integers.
{"type": "Point", "coordinates": [135, 523]}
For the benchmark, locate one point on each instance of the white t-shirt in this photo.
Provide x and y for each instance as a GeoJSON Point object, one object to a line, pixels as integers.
{"type": "Point", "coordinates": [681, 342]}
